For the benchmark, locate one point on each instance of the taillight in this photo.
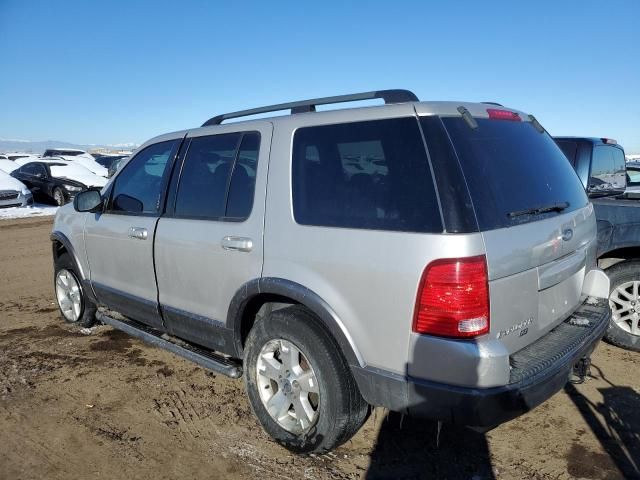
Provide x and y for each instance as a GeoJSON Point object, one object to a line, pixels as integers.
{"type": "Point", "coordinates": [497, 114]}
{"type": "Point", "coordinates": [453, 298]}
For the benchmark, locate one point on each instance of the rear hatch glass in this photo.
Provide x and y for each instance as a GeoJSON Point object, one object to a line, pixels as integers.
{"type": "Point", "coordinates": [512, 168]}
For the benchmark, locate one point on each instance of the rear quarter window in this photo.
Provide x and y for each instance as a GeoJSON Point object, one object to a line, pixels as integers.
{"type": "Point", "coordinates": [367, 175]}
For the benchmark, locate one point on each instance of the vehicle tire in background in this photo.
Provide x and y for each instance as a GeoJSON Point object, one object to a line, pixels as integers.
{"type": "Point", "coordinates": [58, 196]}
{"type": "Point", "coordinates": [624, 299]}
{"type": "Point", "coordinates": [74, 305]}
{"type": "Point", "coordinates": [299, 384]}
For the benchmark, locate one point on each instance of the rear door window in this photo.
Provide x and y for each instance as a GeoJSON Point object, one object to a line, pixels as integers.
{"type": "Point", "coordinates": [218, 177]}
{"type": "Point", "coordinates": [369, 175]}
{"type": "Point", "coordinates": [511, 167]}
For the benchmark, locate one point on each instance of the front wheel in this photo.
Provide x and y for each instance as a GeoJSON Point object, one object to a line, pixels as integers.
{"type": "Point", "coordinates": [298, 383]}
{"type": "Point", "coordinates": [624, 300]}
{"type": "Point", "coordinates": [58, 196]}
{"type": "Point", "coordinates": [74, 306]}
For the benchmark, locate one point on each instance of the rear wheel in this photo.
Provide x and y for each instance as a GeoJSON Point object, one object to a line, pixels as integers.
{"type": "Point", "coordinates": [58, 196]}
{"type": "Point", "coordinates": [624, 300]}
{"type": "Point", "coordinates": [299, 385]}
{"type": "Point", "coordinates": [74, 306]}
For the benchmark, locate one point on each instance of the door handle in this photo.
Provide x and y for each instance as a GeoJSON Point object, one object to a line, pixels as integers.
{"type": "Point", "coordinates": [138, 233]}
{"type": "Point", "coordinates": [240, 244]}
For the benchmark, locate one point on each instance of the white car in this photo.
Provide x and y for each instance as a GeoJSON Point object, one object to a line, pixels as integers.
{"type": "Point", "coordinates": [13, 193]}
{"type": "Point", "coordinates": [7, 166]}
{"type": "Point", "coordinates": [21, 158]}
{"type": "Point", "coordinates": [77, 156]}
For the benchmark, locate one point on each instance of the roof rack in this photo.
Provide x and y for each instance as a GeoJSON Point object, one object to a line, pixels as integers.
{"type": "Point", "coordinates": [389, 96]}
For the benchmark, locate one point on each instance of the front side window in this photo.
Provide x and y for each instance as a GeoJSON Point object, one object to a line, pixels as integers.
{"type": "Point", "coordinates": [607, 170]}
{"type": "Point", "coordinates": [138, 188]}
{"type": "Point", "coordinates": [369, 175]}
{"type": "Point", "coordinates": [218, 177]}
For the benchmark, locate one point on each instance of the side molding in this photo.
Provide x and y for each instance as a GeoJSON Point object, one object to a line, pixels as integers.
{"type": "Point", "coordinates": [300, 294]}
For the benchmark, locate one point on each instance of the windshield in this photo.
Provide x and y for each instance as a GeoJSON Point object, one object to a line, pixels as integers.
{"type": "Point", "coordinates": [515, 174]}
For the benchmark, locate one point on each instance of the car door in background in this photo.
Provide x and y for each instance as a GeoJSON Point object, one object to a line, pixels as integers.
{"type": "Point", "coordinates": [209, 242]}
{"type": "Point", "coordinates": [119, 241]}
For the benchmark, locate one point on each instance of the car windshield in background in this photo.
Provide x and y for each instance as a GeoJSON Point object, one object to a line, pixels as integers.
{"type": "Point", "coordinates": [511, 168]}
{"type": "Point", "coordinates": [66, 153]}
{"type": "Point", "coordinates": [107, 161]}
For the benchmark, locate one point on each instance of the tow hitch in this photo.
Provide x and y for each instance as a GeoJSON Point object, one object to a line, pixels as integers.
{"type": "Point", "coordinates": [581, 371]}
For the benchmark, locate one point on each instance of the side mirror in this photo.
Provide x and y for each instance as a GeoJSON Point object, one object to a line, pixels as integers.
{"type": "Point", "coordinates": [88, 201]}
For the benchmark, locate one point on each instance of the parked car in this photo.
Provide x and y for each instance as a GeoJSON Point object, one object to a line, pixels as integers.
{"type": "Point", "coordinates": [13, 193]}
{"type": "Point", "coordinates": [115, 166]}
{"type": "Point", "coordinates": [57, 181]}
{"type": "Point", "coordinates": [79, 156]}
{"type": "Point", "coordinates": [600, 164]}
{"type": "Point", "coordinates": [22, 158]}
{"type": "Point", "coordinates": [107, 161]}
{"type": "Point", "coordinates": [633, 179]}
{"type": "Point", "coordinates": [434, 258]}
{"type": "Point", "coordinates": [7, 166]}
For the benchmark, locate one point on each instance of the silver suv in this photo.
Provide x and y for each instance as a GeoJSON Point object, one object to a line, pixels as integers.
{"type": "Point", "coordinates": [434, 258]}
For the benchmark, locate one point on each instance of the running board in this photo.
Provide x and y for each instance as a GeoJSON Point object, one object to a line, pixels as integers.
{"type": "Point", "coordinates": [204, 358]}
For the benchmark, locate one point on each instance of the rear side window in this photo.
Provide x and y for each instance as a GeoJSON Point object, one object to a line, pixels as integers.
{"type": "Point", "coordinates": [607, 169]}
{"type": "Point", "coordinates": [370, 175]}
{"type": "Point", "coordinates": [218, 177]}
{"type": "Point", "coordinates": [633, 176]}
{"type": "Point", "coordinates": [570, 150]}
{"type": "Point", "coordinates": [510, 167]}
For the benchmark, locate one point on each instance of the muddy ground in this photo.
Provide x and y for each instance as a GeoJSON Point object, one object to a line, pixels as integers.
{"type": "Point", "coordinates": [107, 406]}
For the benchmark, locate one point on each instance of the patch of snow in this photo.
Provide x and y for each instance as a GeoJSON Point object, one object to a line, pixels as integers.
{"type": "Point", "coordinates": [37, 210]}
{"type": "Point", "coordinates": [592, 301]}
{"type": "Point", "coordinates": [579, 322]}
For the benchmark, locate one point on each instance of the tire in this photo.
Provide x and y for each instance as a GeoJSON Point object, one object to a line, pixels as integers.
{"type": "Point", "coordinates": [621, 332]}
{"type": "Point", "coordinates": [58, 196]}
{"type": "Point", "coordinates": [68, 289]}
{"type": "Point", "coordinates": [338, 407]}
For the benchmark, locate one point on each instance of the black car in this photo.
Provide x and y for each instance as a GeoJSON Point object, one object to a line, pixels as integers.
{"type": "Point", "coordinates": [46, 187]}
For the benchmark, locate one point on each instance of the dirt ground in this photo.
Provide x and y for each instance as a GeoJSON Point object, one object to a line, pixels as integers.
{"type": "Point", "coordinates": [104, 405]}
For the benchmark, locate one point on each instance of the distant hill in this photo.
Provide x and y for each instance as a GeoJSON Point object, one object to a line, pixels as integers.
{"type": "Point", "coordinates": [13, 145]}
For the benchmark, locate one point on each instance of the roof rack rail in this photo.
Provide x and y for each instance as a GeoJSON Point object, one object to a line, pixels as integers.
{"type": "Point", "coordinates": [493, 103]}
{"type": "Point", "coordinates": [389, 96]}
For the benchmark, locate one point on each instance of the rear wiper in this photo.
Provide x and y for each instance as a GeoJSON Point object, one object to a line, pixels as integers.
{"type": "Point", "coordinates": [556, 207]}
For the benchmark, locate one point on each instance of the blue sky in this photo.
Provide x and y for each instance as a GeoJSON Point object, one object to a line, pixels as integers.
{"type": "Point", "coordinates": [127, 70]}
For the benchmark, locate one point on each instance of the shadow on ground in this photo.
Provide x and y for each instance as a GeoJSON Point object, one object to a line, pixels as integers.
{"type": "Point", "coordinates": [616, 424]}
{"type": "Point", "coordinates": [407, 448]}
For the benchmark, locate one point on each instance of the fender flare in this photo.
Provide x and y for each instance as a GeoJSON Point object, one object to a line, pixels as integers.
{"type": "Point", "coordinates": [300, 294]}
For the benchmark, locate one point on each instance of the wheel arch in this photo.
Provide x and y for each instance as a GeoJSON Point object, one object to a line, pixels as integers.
{"type": "Point", "coordinates": [253, 295]}
{"type": "Point", "coordinates": [60, 244]}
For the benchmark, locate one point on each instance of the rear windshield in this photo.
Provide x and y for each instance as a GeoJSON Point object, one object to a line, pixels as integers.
{"type": "Point", "coordinates": [510, 168]}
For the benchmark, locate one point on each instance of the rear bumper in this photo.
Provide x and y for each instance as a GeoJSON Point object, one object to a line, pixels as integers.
{"type": "Point", "coordinates": [537, 373]}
